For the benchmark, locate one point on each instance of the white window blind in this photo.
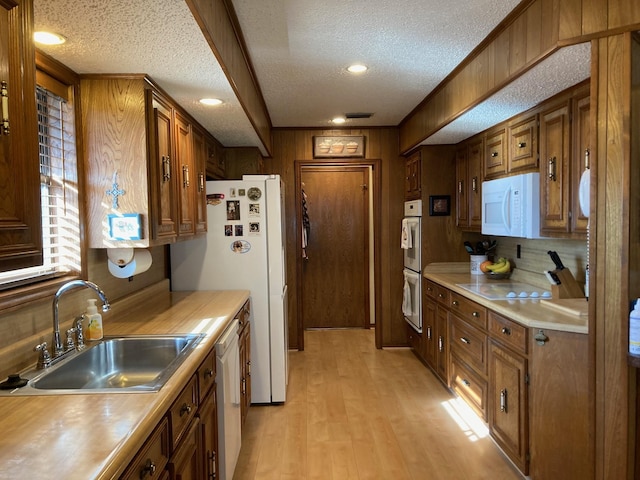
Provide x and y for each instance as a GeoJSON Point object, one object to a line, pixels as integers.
{"type": "Point", "coordinates": [58, 191]}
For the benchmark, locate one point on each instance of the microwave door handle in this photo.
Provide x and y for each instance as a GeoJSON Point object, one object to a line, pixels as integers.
{"type": "Point", "coordinates": [506, 214]}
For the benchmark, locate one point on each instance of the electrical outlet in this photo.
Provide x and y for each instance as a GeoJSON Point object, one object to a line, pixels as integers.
{"type": "Point", "coordinates": [518, 251]}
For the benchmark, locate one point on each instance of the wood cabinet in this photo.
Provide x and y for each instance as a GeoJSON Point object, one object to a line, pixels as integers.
{"type": "Point", "coordinates": [216, 160]}
{"type": "Point", "coordinates": [413, 177]}
{"type": "Point", "coordinates": [20, 215]}
{"type": "Point", "coordinates": [244, 346]}
{"type": "Point", "coordinates": [431, 346]}
{"type": "Point", "coordinates": [200, 172]}
{"type": "Point", "coordinates": [523, 144]}
{"type": "Point", "coordinates": [581, 151]}
{"type": "Point", "coordinates": [469, 174]}
{"type": "Point", "coordinates": [153, 457]}
{"type": "Point", "coordinates": [495, 158]}
{"type": "Point", "coordinates": [559, 405]}
{"type": "Point", "coordinates": [508, 383]}
{"type": "Point", "coordinates": [185, 463]}
{"type": "Point", "coordinates": [209, 435]}
{"type": "Point", "coordinates": [141, 158]}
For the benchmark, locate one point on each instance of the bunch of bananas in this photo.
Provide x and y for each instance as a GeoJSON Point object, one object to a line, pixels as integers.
{"type": "Point", "coordinates": [501, 266]}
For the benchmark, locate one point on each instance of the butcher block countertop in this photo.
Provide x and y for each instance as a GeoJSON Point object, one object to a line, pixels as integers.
{"type": "Point", "coordinates": [534, 313]}
{"type": "Point", "coordinates": [95, 436]}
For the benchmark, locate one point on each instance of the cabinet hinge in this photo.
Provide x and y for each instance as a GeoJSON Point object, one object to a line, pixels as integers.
{"type": "Point", "coordinates": [526, 379]}
{"type": "Point", "coordinates": [527, 457]}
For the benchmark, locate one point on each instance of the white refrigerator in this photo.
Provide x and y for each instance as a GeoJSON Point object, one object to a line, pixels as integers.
{"type": "Point", "coordinates": [244, 248]}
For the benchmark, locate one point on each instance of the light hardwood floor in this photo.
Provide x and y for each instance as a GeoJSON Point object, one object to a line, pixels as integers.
{"type": "Point", "coordinates": [354, 412]}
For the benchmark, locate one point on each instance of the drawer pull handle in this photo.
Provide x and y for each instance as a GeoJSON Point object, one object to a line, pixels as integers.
{"type": "Point", "coordinates": [506, 331]}
{"type": "Point", "coordinates": [4, 94]}
{"type": "Point", "coordinates": [166, 168]}
{"type": "Point", "coordinates": [429, 332]}
{"type": "Point", "coordinates": [474, 184]}
{"type": "Point", "coordinates": [503, 400]}
{"type": "Point", "coordinates": [460, 187]}
{"type": "Point", "coordinates": [208, 372]}
{"type": "Point", "coordinates": [186, 408]}
{"type": "Point", "coordinates": [440, 344]}
{"type": "Point", "coordinates": [552, 169]}
{"type": "Point", "coordinates": [148, 469]}
{"type": "Point", "coordinates": [455, 303]}
{"type": "Point", "coordinates": [466, 382]}
{"type": "Point", "coordinates": [465, 340]}
{"type": "Point", "coordinates": [475, 314]}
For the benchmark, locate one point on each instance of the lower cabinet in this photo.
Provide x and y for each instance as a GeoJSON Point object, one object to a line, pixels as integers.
{"type": "Point", "coordinates": [244, 346]}
{"type": "Point", "coordinates": [184, 445]}
{"type": "Point", "coordinates": [529, 385]}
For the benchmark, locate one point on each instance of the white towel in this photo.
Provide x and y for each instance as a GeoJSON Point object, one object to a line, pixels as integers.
{"type": "Point", "coordinates": [406, 299]}
{"type": "Point", "coordinates": [406, 240]}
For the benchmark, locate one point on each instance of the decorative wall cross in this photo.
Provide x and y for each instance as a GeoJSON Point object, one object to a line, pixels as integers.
{"type": "Point", "coordinates": [115, 191]}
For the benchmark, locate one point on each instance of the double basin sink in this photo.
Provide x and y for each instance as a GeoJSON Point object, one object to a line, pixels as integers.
{"type": "Point", "coordinates": [128, 364]}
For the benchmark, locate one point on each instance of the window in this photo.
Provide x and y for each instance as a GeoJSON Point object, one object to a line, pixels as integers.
{"type": "Point", "coordinates": [58, 187]}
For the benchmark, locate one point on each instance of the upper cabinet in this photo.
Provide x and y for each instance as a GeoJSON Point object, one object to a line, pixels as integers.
{"type": "Point", "coordinates": [144, 164]}
{"type": "Point", "coordinates": [495, 160]}
{"type": "Point", "coordinates": [413, 177]}
{"type": "Point", "coordinates": [469, 175]}
{"type": "Point", "coordinates": [20, 223]}
{"type": "Point", "coordinates": [523, 144]}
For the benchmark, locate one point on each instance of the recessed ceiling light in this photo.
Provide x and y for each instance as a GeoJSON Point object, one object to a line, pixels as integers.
{"type": "Point", "coordinates": [357, 68]}
{"type": "Point", "coordinates": [339, 120]}
{"type": "Point", "coordinates": [48, 38]}
{"type": "Point", "coordinates": [210, 101]}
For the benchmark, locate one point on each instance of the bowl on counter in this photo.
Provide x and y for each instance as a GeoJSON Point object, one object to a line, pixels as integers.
{"type": "Point", "coordinates": [498, 276]}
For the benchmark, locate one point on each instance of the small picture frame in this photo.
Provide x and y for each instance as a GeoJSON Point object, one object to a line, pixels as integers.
{"type": "Point", "coordinates": [439, 205]}
{"type": "Point", "coordinates": [124, 226]}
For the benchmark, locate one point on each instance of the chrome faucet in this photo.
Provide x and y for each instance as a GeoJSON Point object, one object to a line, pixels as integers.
{"type": "Point", "coordinates": [57, 342]}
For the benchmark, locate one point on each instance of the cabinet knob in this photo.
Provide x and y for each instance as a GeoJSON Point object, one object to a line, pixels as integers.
{"type": "Point", "coordinates": [465, 340]}
{"type": "Point", "coordinates": [522, 144]}
{"type": "Point", "coordinates": [455, 303]}
{"type": "Point", "coordinates": [506, 331]}
{"type": "Point", "coordinates": [540, 338]}
{"type": "Point", "coordinates": [148, 469]}
{"type": "Point", "coordinates": [466, 382]}
{"type": "Point", "coordinates": [186, 408]}
{"type": "Point", "coordinates": [494, 154]}
{"type": "Point", "coordinates": [208, 373]}
{"type": "Point", "coordinates": [475, 314]}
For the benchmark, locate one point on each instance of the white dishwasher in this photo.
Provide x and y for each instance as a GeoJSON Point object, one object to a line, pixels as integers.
{"type": "Point", "coordinates": [228, 391]}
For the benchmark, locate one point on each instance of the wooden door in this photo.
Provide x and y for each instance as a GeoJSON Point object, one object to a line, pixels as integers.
{"type": "Point", "coordinates": [185, 164]}
{"type": "Point", "coordinates": [462, 199]}
{"type": "Point", "coordinates": [474, 183]}
{"type": "Point", "coordinates": [335, 276]}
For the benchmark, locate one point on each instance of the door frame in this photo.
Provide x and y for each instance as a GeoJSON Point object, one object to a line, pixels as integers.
{"type": "Point", "coordinates": [375, 165]}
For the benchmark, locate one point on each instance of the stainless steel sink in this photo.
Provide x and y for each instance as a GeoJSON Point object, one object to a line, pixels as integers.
{"type": "Point", "coordinates": [121, 364]}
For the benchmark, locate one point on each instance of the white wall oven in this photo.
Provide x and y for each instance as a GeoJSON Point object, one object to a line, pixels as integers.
{"type": "Point", "coordinates": [412, 247]}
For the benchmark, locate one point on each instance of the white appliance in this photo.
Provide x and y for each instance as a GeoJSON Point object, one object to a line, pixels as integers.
{"type": "Point", "coordinates": [412, 245]}
{"type": "Point", "coordinates": [244, 248]}
{"type": "Point", "coordinates": [228, 394]}
{"type": "Point", "coordinates": [511, 206]}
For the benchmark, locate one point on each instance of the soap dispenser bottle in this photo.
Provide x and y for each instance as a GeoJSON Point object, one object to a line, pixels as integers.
{"type": "Point", "coordinates": [94, 321]}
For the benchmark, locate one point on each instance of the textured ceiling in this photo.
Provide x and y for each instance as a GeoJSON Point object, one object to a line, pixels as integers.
{"type": "Point", "coordinates": [300, 49]}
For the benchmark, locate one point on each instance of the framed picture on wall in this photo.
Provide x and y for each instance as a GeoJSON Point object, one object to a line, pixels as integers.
{"type": "Point", "coordinates": [439, 205]}
{"type": "Point", "coordinates": [338, 146]}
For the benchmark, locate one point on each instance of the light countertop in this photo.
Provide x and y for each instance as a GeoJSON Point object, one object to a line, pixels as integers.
{"type": "Point", "coordinates": [95, 436]}
{"type": "Point", "coordinates": [528, 312]}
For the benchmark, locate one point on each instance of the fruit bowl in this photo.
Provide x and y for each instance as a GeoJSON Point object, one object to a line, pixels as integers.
{"type": "Point", "coordinates": [497, 276]}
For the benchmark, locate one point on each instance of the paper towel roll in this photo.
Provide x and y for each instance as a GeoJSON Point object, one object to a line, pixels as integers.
{"type": "Point", "coordinates": [120, 256]}
{"type": "Point", "coordinates": [140, 263]}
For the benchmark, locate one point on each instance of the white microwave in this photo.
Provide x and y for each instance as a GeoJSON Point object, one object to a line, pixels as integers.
{"type": "Point", "coordinates": [511, 206]}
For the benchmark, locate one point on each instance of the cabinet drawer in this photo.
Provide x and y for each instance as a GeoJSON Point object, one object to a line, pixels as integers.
{"type": "Point", "coordinates": [508, 332]}
{"type": "Point", "coordinates": [430, 289]}
{"type": "Point", "coordinates": [443, 295]}
{"type": "Point", "coordinates": [469, 344]}
{"type": "Point", "coordinates": [468, 310]}
{"type": "Point", "coordinates": [182, 411]}
{"type": "Point", "coordinates": [152, 457]}
{"type": "Point", "coordinates": [469, 385]}
{"type": "Point", "coordinates": [206, 375]}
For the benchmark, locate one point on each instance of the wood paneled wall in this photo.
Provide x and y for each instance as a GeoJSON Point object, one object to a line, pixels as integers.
{"type": "Point", "coordinates": [24, 328]}
{"type": "Point", "coordinates": [290, 145]}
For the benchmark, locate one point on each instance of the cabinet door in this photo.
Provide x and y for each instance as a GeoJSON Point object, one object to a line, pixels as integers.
{"type": "Point", "coordinates": [581, 150]}
{"type": "Point", "coordinates": [20, 224]}
{"type": "Point", "coordinates": [209, 436]}
{"type": "Point", "coordinates": [429, 332]}
{"type": "Point", "coordinates": [554, 170]}
{"type": "Point", "coordinates": [462, 197]}
{"type": "Point", "coordinates": [495, 160]}
{"type": "Point", "coordinates": [186, 460]}
{"type": "Point", "coordinates": [413, 180]}
{"type": "Point", "coordinates": [474, 182]}
{"type": "Point", "coordinates": [185, 164]}
{"type": "Point", "coordinates": [559, 397]}
{"type": "Point", "coordinates": [523, 145]}
{"type": "Point", "coordinates": [442, 347]}
{"type": "Point", "coordinates": [508, 404]}
{"type": "Point", "coordinates": [164, 199]}
{"type": "Point", "coordinates": [200, 191]}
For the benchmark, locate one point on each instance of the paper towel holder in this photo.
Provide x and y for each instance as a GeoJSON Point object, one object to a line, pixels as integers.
{"type": "Point", "coordinates": [127, 262]}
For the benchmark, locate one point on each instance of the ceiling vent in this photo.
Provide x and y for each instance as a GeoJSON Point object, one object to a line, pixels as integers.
{"type": "Point", "coordinates": [359, 115]}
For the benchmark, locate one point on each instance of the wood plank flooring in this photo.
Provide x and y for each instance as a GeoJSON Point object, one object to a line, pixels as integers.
{"type": "Point", "coordinates": [354, 412]}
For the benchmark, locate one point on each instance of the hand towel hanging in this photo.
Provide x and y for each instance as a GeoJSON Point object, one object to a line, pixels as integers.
{"type": "Point", "coordinates": [406, 299]}
{"type": "Point", "coordinates": [406, 240]}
